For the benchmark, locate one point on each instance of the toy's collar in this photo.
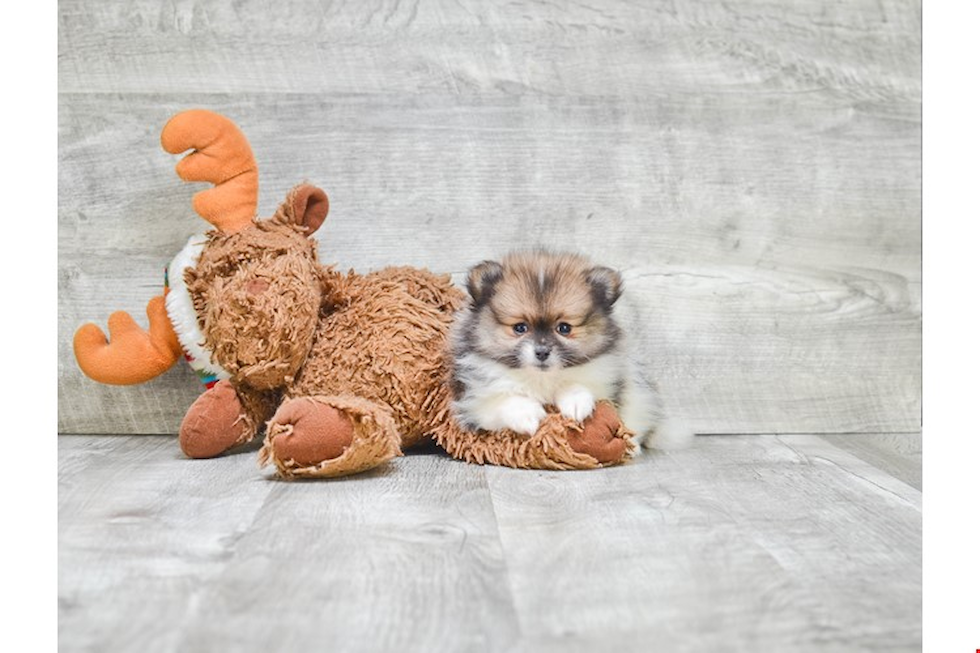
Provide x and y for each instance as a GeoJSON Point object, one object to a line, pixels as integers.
{"type": "Point", "coordinates": [180, 310]}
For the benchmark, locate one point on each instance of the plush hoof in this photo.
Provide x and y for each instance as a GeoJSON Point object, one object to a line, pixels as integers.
{"type": "Point", "coordinates": [600, 435]}
{"type": "Point", "coordinates": [308, 432]}
{"type": "Point", "coordinates": [214, 423]}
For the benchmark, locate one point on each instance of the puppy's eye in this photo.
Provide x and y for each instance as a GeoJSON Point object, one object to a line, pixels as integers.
{"type": "Point", "coordinates": [564, 328]}
{"type": "Point", "coordinates": [520, 328]}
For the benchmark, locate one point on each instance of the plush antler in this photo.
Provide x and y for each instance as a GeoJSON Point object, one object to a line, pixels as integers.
{"type": "Point", "coordinates": [221, 156]}
{"type": "Point", "coordinates": [131, 355]}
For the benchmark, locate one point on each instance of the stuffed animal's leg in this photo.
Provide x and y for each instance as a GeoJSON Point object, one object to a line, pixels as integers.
{"type": "Point", "coordinates": [602, 435]}
{"type": "Point", "coordinates": [559, 443]}
{"type": "Point", "coordinates": [221, 419]}
{"type": "Point", "coordinates": [324, 436]}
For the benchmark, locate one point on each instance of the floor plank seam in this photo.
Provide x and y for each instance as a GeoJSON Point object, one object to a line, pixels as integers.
{"type": "Point", "coordinates": [503, 556]}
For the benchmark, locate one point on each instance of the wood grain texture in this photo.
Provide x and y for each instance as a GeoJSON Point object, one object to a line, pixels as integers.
{"type": "Point", "coordinates": [141, 526]}
{"type": "Point", "coordinates": [898, 454]}
{"type": "Point", "coordinates": [617, 48]}
{"type": "Point", "coordinates": [753, 169]}
{"type": "Point", "coordinates": [756, 543]}
{"type": "Point", "coordinates": [742, 543]}
{"type": "Point", "coordinates": [216, 555]}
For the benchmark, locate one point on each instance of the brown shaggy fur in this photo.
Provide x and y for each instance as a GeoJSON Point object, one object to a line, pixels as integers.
{"type": "Point", "coordinates": [316, 343]}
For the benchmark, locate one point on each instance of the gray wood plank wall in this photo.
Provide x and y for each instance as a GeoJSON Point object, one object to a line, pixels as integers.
{"type": "Point", "coordinates": [752, 168]}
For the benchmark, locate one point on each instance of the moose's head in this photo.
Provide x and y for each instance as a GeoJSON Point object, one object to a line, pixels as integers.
{"type": "Point", "coordinates": [246, 296]}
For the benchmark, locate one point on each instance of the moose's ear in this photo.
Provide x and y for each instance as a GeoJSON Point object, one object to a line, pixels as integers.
{"type": "Point", "coordinates": [306, 206]}
{"type": "Point", "coordinates": [481, 280]}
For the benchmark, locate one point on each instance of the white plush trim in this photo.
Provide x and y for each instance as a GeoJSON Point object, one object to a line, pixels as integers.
{"type": "Point", "coordinates": [180, 309]}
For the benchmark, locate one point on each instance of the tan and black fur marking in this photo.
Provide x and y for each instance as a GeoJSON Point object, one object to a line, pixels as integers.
{"type": "Point", "coordinates": [542, 290]}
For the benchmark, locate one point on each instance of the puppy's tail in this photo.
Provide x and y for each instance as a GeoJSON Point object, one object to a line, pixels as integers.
{"type": "Point", "coordinates": [668, 434]}
{"type": "Point", "coordinates": [644, 409]}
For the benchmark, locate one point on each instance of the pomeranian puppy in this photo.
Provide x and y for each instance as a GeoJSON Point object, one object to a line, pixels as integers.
{"type": "Point", "coordinates": [540, 330]}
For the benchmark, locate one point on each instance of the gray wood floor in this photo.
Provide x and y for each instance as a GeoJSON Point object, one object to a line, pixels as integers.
{"type": "Point", "coordinates": [742, 543]}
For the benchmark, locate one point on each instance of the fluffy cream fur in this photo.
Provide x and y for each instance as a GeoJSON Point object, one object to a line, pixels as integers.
{"type": "Point", "coordinates": [503, 397]}
{"type": "Point", "coordinates": [492, 385]}
{"type": "Point", "coordinates": [180, 310]}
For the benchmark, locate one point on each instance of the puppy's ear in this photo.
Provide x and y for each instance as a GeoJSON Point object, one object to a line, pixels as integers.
{"type": "Point", "coordinates": [606, 285]}
{"type": "Point", "coordinates": [481, 280]}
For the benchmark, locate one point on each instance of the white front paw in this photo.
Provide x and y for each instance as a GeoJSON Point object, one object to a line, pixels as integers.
{"type": "Point", "coordinates": [522, 414]}
{"type": "Point", "coordinates": [576, 403]}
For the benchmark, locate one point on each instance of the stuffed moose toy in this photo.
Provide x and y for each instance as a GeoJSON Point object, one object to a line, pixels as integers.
{"type": "Point", "coordinates": [343, 371]}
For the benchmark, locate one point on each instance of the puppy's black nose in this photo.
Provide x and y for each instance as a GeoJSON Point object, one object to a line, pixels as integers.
{"type": "Point", "coordinates": [542, 353]}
